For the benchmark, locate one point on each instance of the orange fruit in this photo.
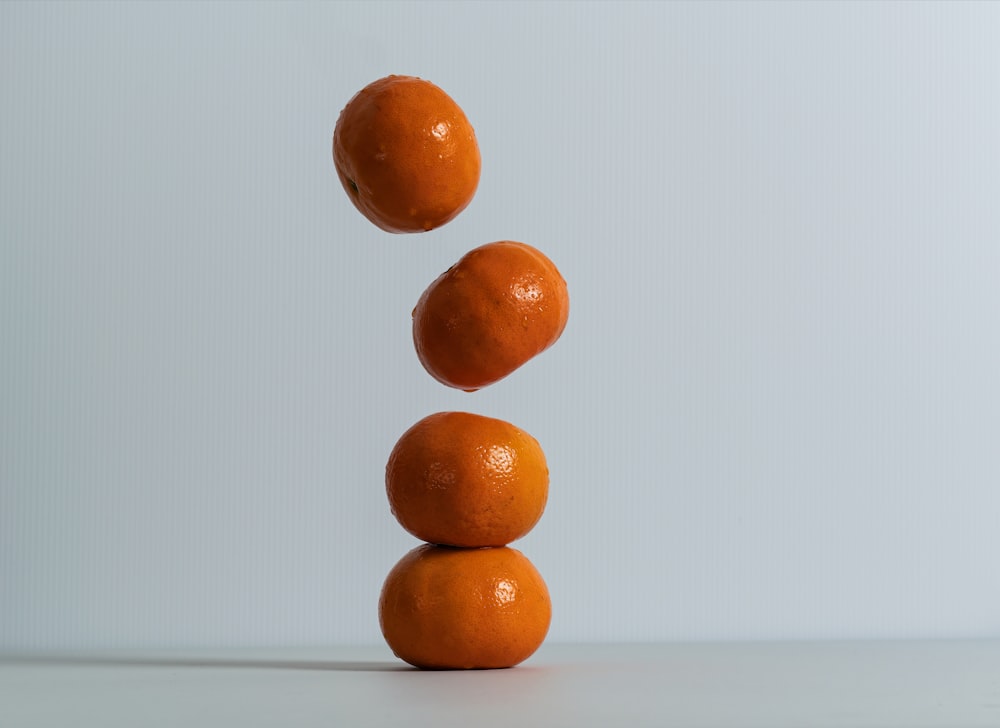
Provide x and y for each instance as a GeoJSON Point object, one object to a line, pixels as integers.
{"type": "Point", "coordinates": [406, 154]}
{"type": "Point", "coordinates": [499, 306]}
{"type": "Point", "coordinates": [461, 479]}
{"type": "Point", "coordinates": [448, 608]}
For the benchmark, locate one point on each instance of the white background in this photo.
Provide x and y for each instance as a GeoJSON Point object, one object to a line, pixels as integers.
{"type": "Point", "coordinates": [774, 412]}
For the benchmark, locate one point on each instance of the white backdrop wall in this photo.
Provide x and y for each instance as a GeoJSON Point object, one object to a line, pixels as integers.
{"type": "Point", "coordinates": [774, 413]}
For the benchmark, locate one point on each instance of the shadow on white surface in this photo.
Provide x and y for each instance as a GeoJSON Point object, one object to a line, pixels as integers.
{"type": "Point", "coordinates": [209, 663]}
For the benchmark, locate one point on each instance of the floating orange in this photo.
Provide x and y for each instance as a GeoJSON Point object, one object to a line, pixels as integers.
{"type": "Point", "coordinates": [406, 154]}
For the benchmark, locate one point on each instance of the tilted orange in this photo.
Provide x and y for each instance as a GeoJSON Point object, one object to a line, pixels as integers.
{"type": "Point", "coordinates": [498, 307]}
{"type": "Point", "coordinates": [463, 479]}
{"type": "Point", "coordinates": [406, 154]}
{"type": "Point", "coordinates": [448, 608]}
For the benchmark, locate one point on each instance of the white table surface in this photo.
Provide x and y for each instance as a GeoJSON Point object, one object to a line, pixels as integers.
{"type": "Point", "coordinates": [871, 684]}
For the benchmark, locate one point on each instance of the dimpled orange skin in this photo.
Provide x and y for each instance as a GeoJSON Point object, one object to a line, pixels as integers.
{"type": "Point", "coordinates": [462, 479]}
{"type": "Point", "coordinates": [498, 307]}
{"type": "Point", "coordinates": [406, 155]}
{"type": "Point", "coordinates": [445, 608]}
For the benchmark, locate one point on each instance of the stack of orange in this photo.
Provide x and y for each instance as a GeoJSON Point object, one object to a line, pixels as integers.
{"type": "Point", "coordinates": [466, 484]}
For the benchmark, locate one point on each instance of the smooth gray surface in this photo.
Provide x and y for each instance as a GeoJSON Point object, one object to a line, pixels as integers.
{"type": "Point", "coordinates": [800, 685]}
